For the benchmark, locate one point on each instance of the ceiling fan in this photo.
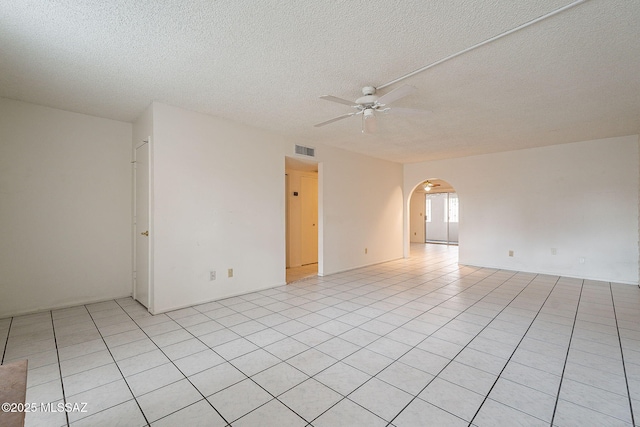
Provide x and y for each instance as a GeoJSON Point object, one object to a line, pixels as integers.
{"type": "Point", "coordinates": [428, 185]}
{"type": "Point", "coordinates": [370, 104]}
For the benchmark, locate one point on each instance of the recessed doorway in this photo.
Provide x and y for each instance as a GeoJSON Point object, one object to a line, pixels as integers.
{"type": "Point", "coordinates": [301, 219]}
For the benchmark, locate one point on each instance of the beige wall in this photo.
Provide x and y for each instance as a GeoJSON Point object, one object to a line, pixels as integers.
{"type": "Point", "coordinates": [65, 208]}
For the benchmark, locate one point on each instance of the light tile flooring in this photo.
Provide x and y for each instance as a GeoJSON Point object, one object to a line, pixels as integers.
{"type": "Point", "coordinates": [414, 342]}
{"type": "Point", "coordinates": [298, 273]}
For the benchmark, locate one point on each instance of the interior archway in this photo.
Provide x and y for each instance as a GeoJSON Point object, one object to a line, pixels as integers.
{"type": "Point", "coordinates": [434, 214]}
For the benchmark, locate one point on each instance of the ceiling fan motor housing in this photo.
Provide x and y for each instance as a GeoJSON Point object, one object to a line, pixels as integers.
{"type": "Point", "coordinates": [367, 100]}
{"type": "Point", "coordinates": [368, 90]}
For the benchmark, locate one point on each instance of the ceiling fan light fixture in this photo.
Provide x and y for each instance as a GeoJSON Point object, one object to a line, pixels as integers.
{"type": "Point", "coordinates": [369, 104]}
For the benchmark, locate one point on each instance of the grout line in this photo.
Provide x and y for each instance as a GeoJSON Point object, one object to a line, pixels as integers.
{"type": "Point", "coordinates": [573, 327]}
{"type": "Point", "coordinates": [383, 336]}
{"type": "Point", "coordinates": [335, 336]}
{"type": "Point", "coordinates": [506, 281]}
{"type": "Point", "coordinates": [172, 362]}
{"type": "Point", "coordinates": [387, 276]}
{"type": "Point", "coordinates": [55, 341]}
{"type": "Point", "coordinates": [6, 342]}
{"type": "Point", "coordinates": [624, 368]}
{"type": "Point", "coordinates": [516, 348]}
{"type": "Point", "coordinates": [117, 366]}
{"type": "Point", "coordinates": [413, 318]}
{"type": "Point", "coordinates": [396, 327]}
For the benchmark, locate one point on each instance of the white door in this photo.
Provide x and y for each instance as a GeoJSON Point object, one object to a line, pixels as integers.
{"type": "Point", "coordinates": [309, 229]}
{"type": "Point", "coordinates": [141, 274]}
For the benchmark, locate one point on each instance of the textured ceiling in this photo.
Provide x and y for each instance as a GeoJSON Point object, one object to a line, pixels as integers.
{"type": "Point", "coordinates": [568, 78]}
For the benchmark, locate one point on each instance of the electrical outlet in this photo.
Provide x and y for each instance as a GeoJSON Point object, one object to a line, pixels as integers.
{"type": "Point", "coordinates": [366, 251]}
{"type": "Point", "coordinates": [212, 275]}
{"type": "Point", "coordinates": [510, 252]}
{"type": "Point", "coordinates": [581, 260]}
{"type": "Point", "coordinates": [554, 251]}
{"type": "Point", "coordinates": [230, 272]}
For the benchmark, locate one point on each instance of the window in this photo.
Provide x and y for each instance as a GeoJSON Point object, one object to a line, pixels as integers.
{"type": "Point", "coordinates": [427, 211]}
{"type": "Point", "coordinates": [453, 208]}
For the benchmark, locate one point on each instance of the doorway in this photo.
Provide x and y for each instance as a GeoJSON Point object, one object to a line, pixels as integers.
{"type": "Point", "coordinates": [301, 184]}
{"type": "Point", "coordinates": [441, 218]}
{"type": "Point", "coordinates": [434, 213]}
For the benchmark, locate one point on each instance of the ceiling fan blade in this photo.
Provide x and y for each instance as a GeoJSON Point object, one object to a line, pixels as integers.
{"type": "Point", "coordinates": [395, 94]}
{"type": "Point", "coordinates": [339, 100]}
{"type": "Point", "coordinates": [408, 111]}
{"type": "Point", "coordinates": [335, 119]}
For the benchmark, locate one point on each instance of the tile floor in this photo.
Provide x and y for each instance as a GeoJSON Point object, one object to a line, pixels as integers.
{"type": "Point", "coordinates": [298, 273]}
{"type": "Point", "coordinates": [414, 342]}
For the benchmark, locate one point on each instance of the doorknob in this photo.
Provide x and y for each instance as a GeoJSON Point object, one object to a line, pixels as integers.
{"type": "Point", "coordinates": [145, 233]}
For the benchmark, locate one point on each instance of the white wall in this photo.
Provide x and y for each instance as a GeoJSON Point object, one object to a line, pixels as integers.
{"type": "Point", "coordinates": [218, 204]}
{"type": "Point", "coordinates": [416, 218]}
{"type": "Point", "coordinates": [361, 207]}
{"type": "Point", "coordinates": [65, 206]}
{"type": "Point", "coordinates": [579, 198]}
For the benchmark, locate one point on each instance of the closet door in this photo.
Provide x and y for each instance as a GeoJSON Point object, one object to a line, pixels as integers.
{"type": "Point", "coordinates": [141, 273]}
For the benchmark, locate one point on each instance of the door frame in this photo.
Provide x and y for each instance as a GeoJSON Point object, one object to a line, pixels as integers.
{"type": "Point", "coordinates": [148, 141]}
{"type": "Point", "coordinates": [320, 222]}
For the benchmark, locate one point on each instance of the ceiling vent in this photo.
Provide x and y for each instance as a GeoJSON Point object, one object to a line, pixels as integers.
{"type": "Point", "coordinates": [305, 151]}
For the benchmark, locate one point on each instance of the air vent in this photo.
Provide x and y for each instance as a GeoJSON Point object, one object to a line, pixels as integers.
{"type": "Point", "coordinates": [305, 151]}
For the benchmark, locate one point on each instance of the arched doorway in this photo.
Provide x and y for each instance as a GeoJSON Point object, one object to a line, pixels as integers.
{"type": "Point", "coordinates": [434, 213]}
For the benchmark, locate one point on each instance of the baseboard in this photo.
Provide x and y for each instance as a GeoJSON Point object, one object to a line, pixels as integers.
{"type": "Point", "coordinates": [62, 306]}
{"type": "Point", "coordinates": [179, 307]}
{"type": "Point", "coordinates": [358, 267]}
{"type": "Point", "coordinates": [552, 273]}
